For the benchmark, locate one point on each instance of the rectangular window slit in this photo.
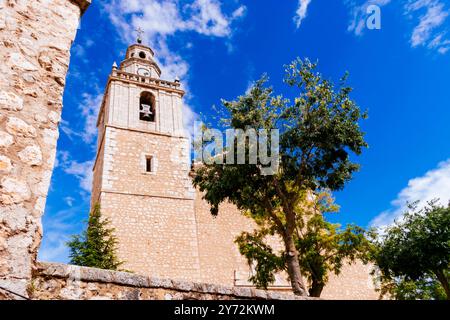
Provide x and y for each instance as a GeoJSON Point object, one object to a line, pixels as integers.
{"type": "Point", "coordinates": [148, 164]}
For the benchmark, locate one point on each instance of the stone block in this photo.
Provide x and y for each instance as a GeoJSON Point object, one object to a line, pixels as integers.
{"type": "Point", "coordinates": [5, 139]}
{"type": "Point", "coordinates": [14, 191]}
{"type": "Point", "coordinates": [5, 164]}
{"type": "Point", "coordinates": [10, 101]}
{"type": "Point", "coordinates": [18, 127]}
{"type": "Point", "coordinates": [31, 155]}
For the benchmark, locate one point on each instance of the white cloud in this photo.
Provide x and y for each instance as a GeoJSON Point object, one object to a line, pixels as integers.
{"type": "Point", "coordinates": [62, 156]}
{"type": "Point", "coordinates": [359, 14]}
{"type": "Point", "coordinates": [90, 107]}
{"type": "Point", "coordinates": [79, 51]}
{"type": "Point", "coordinates": [54, 249]}
{"type": "Point", "coordinates": [80, 170]}
{"type": "Point", "coordinates": [57, 230]}
{"type": "Point", "coordinates": [428, 32]}
{"type": "Point", "coordinates": [69, 201]}
{"type": "Point", "coordinates": [301, 12]}
{"type": "Point", "coordinates": [435, 184]}
{"type": "Point", "coordinates": [239, 12]}
{"type": "Point", "coordinates": [434, 16]}
{"type": "Point", "coordinates": [162, 19]}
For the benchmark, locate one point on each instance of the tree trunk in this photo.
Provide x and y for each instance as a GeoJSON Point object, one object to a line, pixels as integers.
{"type": "Point", "coordinates": [444, 281]}
{"type": "Point", "coordinates": [294, 268]}
{"type": "Point", "coordinates": [316, 289]}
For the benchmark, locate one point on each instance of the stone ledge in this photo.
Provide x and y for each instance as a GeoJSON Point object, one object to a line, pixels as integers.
{"type": "Point", "coordinates": [64, 271]}
{"type": "Point", "coordinates": [83, 4]}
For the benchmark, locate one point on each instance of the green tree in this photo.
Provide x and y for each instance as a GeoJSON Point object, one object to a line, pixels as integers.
{"type": "Point", "coordinates": [323, 247]}
{"type": "Point", "coordinates": [318, 132]}
{"type": "Point", "coordinates": [413, 255]}
{"type": "Point", "coordinates": [96, 246]}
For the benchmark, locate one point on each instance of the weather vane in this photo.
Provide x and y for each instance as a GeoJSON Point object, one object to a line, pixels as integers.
{"type": "Point", "coordinates": [140, 32]}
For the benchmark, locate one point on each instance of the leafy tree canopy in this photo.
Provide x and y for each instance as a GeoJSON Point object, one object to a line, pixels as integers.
{"type": "Point", "coordinates": [413, 255]}
{"type": "Point", "coordinates": [319, 130]}
{"type": "Point", "coordinates": [323, 247]}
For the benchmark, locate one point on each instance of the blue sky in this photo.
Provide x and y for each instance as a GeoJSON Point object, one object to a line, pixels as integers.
{"type": "Point", "coordinates": [400, 73]}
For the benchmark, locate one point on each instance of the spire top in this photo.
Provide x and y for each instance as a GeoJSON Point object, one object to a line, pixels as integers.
{"type": "Point", "coordinates": [139, 32]}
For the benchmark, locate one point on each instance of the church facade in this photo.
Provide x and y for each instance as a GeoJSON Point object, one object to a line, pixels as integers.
{"type": "Point", "coordinates": [142, 182]}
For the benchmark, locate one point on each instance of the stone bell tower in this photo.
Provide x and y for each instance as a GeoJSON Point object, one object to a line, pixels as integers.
{"type": "Point", "coordinates": [141, 173]}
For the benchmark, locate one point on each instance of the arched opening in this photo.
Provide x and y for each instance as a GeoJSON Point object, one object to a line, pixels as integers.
{"type": "Point", "coordinates": [147, 107]}
{"type": "Point", "coordinates": [142, 55]}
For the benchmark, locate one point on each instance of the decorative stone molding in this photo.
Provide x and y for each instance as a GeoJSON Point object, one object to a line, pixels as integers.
{"type": "Point", "coordinates": [60, 281]}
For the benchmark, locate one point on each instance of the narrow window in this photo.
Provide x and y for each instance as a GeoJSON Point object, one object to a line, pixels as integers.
{"type": "Point", "coordinates": [148, 164]}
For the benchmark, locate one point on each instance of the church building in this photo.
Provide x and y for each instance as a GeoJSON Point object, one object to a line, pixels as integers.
{"type": "Point", "coordinates": [142, 182]}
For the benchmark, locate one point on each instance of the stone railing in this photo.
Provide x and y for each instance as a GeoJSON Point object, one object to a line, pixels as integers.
{"type": "Point", "coordinates": [146, 80]}
{"type": "Point", "coordinates": [60, 281]}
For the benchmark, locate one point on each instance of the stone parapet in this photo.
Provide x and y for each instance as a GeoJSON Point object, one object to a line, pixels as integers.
{"type": "Point", "coordinates": [61, 281]}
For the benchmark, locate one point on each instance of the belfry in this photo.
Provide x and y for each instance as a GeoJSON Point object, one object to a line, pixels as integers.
{"type": "Point", "coordinates": [141, 173]}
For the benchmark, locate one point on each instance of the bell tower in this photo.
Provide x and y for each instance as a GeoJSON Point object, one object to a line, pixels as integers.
{"type": "Point", "coordinates": [141, 172]}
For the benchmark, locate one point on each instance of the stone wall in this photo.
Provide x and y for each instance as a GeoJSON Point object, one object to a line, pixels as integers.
{"type": "Point", "coordinates": [221, 262]}
{"type": "Point", "coordinates": [35, 41]}
{"type": "Point", "coordinates": [152, 212]}
{"type": "Point", "coordinates": [59, 281]}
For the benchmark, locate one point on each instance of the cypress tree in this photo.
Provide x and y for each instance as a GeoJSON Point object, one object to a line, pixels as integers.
{"type": "Point", "coordinates": [96, 247]}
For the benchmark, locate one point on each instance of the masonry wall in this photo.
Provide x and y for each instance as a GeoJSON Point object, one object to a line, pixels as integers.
{"type": "Point", "coordinates": [35, 41]}
{"type": "Point", "coordinates": [65, 282]}
{"type": "Point", "coordinates": [124, 164]}
{"type": "Point", "coordinates": [355, 282]}
{"type": "Point", "coordinates": [166, 230]}
{"type": "Point", "coordinates": [153, 213]}
{"type": "Point", "coordinates": [221, 262]}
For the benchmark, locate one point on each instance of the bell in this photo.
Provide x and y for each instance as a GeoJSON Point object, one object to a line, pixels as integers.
{"type": "Point", "coordinates": [146, 111]}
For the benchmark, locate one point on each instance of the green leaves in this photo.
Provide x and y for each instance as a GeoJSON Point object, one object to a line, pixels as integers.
{"type": "Point", "coordinates": [416, 250]}
{"type": "Point", "coordinates": [322, 129]}
{"type": "Point", "coordinates": [96, 247]}
{"type": "Point", "coordinates": [323, 247]}
{"type": "Point", "coordinates": [319, 131]}
{"type": "Point", "coordinates": [258, 253]}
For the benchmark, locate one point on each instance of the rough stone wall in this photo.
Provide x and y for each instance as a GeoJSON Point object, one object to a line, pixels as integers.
{"type": "Point", "coordinates": [35, 41]}
{"type": "Point", "coordinates": [153, 213]}
{"type": "Point", "coordinates": [124, 169]}
{"type": "Point", "coordinates": [353, 283]}
{"type": "Point", "coordinates": [221, 262]}
{"type": "Point", "coordinates": [64, 282]}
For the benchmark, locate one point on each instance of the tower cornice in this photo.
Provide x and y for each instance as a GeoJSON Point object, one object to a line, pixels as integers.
{"type": "Point", "coordinates": [147, 82]}
{"type": "Point", "coordinates": [137, 45]}
{"type": "Point", "coordinates": [130, 61]}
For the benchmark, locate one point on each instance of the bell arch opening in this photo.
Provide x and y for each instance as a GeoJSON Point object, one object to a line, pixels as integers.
{"type": "Point", "coordinates": [147, 108]}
